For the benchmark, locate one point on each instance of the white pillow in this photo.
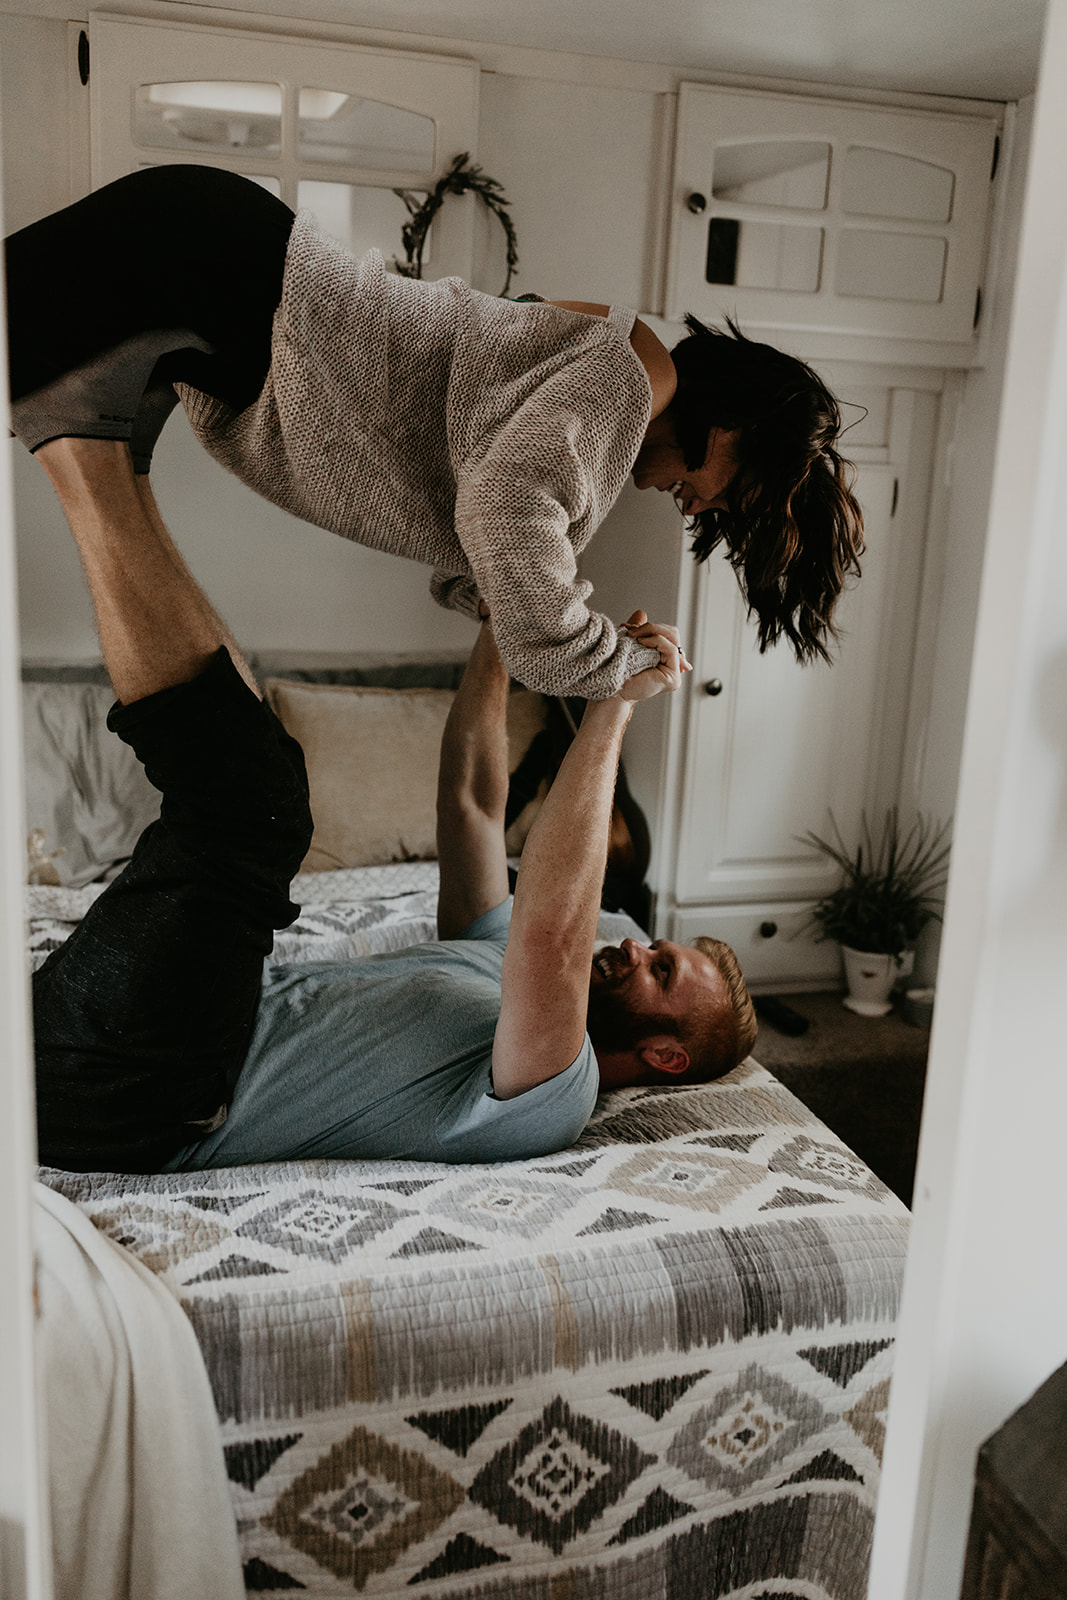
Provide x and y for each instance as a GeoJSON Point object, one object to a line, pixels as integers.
{"type": "Point", "coordinates": [372, 757]}
{"type": "Point", "coordinates": [85, 790]}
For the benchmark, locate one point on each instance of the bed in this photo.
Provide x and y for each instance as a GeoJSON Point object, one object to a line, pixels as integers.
{"type": "Point", "coordinates": [653, 1366]}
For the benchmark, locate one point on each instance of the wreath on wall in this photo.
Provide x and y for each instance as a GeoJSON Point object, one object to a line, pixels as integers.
{"type": "Point", "coordinates": [462, 177]}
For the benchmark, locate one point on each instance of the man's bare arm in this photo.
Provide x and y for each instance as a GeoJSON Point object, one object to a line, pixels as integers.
{"type": "Point", "coordinates": [545, 981]}
{"type": "Point", "coordinates": [472, 793]}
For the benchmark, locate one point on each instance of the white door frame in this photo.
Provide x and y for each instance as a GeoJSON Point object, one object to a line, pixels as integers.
{"type": "Point", "coordinates": [984, 1317]}
{"type": "Point", "coordinates": [25, 1544]}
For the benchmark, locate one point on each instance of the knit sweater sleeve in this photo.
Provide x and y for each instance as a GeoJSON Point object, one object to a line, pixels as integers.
{"type": "Point", "coordinates": [515, 508]}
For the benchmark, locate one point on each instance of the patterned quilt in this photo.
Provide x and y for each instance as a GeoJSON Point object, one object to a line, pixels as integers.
{"type": "Point", "coordinates": [652, 1367]}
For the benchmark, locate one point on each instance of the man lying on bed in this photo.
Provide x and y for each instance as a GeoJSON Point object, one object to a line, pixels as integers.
{"type": "Point", "coordinates": [162, 1045]}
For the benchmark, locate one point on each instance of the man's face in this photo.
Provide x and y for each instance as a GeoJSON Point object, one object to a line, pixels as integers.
{"type": "Point", "coordinates": [634, 987]}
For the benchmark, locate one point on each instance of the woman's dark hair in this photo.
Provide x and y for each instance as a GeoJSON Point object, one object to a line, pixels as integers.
{"type": "Point", "coordinates": [792, 528]}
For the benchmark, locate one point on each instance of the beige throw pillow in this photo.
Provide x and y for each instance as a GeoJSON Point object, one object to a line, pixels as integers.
{"type": "Point", "coordinates": [372, 759]}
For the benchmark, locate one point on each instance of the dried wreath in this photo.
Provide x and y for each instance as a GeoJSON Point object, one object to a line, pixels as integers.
{"type": "Point", "coordinates": [460, 178]}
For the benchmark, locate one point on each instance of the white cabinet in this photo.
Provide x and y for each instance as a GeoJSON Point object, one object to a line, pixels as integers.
{"type": "Point", "coordinates": [792, 212]}
{"type": "Point", "coordinates": [772, 746]}
{"type": "Point", "coordinates": [336, 128]}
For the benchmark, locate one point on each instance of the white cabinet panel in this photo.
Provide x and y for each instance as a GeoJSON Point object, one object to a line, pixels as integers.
{"type": "Point", "coordinates": [771, 941]}
{"type": "Point", "coordinates": [796, 212]}
{"type": "Point", "coordinates": [780, 744]}
{"type": "Point", "coordinates": [332, 127]}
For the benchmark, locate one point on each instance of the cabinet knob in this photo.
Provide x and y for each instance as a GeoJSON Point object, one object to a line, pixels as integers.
{"type": "Point", "coordinates": [767, 930]}
{"type": "Point", "coordinates": [696, 203]}
{"type": "Point", "coordinates": [713, 686]}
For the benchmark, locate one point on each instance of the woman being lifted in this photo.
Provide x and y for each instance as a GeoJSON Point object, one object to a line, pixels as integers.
{"type": "Point", "coordinates": [485, 437]}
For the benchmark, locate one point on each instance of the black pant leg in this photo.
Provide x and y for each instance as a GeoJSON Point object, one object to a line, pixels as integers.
{"type": "Point", "coordinates": [142, 1019]}
{"type": "Point", "coordinates": [168, 247]}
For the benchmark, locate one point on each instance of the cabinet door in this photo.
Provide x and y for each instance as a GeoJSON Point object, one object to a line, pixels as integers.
{"type": "Point", "coordinates": [778, 746]}
{"type": "Point", "coordinates": [791, 212]}
{"type": "Point", "coordinates": [334, 128]}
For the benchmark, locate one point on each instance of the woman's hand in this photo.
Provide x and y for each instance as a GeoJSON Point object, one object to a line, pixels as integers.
{"type": "Point", "coordinates": [666, 677]}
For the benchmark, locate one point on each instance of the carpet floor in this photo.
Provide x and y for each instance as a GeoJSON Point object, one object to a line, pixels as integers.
{"type": "Point", "coordinates": [862, 1076]}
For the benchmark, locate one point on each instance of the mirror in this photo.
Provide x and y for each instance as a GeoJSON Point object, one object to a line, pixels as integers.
{"type": "Point", "coordinates": [764, 255]}
{"type": "Point", "coordinates": [786, 172]}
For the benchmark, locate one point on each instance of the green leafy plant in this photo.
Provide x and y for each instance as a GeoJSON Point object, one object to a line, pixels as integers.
{"type": "Point", "coordinates": [891, 888]}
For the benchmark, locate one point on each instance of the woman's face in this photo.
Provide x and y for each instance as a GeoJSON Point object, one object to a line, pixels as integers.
{"type": "Point", "coordinates": [661, 465]}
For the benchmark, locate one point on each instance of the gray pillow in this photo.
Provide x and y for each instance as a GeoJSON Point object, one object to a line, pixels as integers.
{"type": "Point", "coordinates": [85, 790]}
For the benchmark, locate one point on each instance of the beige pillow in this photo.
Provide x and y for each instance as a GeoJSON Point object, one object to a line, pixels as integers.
{"type": "Point", "coordinates": [372, 766]}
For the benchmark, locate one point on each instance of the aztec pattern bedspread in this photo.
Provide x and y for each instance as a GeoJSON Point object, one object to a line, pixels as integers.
{"type": "Point", "coordinates": [652, 1367]}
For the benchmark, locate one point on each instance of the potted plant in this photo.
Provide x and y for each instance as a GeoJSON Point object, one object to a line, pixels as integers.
{"type": "Point", "coordinates": [890, 889]}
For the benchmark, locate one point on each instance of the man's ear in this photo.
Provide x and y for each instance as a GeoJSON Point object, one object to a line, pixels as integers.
{"type": "Point", "coordinates": [664, 1054]}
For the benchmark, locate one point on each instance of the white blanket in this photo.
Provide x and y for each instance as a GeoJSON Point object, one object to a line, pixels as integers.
{"type": "Point", "coordinates": [141, 1506]}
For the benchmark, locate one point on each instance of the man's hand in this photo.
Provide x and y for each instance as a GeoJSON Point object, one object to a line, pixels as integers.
{"type": "Point", "coordinates": [667, 676]}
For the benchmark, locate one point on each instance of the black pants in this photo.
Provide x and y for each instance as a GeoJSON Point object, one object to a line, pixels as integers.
{"type": "Point", "coordinates": [142, 1019]}
{"type": "Point", "coordinates": [169, 247]}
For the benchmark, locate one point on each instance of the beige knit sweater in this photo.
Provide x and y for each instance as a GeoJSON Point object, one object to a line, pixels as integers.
{"type": "Point", "coordinates": [483, 437]}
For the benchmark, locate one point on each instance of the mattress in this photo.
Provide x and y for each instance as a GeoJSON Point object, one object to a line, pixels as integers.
{"type": "Point", "coordinates": [651, 1367]}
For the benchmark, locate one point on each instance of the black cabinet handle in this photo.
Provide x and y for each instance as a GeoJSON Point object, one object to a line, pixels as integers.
{"type": "Point", "coordinates": [767, 930]}
{"type": "Point", "coordinates": [713, 686]}
{"type": "Point", "coordinates": [696, 203]}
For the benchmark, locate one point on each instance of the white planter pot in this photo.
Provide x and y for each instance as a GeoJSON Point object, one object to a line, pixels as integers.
{"type": "Point", "coordinates": [870, 980]}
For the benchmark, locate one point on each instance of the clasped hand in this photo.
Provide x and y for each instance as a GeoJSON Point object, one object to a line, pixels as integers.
{"type": "Point", "coordinates": [665, 677]}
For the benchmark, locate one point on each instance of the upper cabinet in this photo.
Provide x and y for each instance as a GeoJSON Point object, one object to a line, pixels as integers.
{"type": "Point", "coordinates": [828, 217]}
{"type": "Point", "coordinates": [331, 127]}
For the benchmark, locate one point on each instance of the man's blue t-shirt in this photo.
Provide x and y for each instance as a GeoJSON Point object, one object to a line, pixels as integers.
{"type": "Point", "coordinates": [390, 1055]}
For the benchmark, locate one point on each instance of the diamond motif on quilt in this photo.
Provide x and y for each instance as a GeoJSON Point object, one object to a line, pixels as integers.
{"type": "Point", "coordinates": [511, 1205]}
{"type": "Point", "coordinates": [868, 1417]}
{"type": "Point", "coordinates": [558, 1475]}
{"type": "Point", "coordinates": [363, 1509]}
{"type": "Point", "coordinates": [362, 1504]}
{"type": "Point", "coordinates": [823, 1163]}
{"type": "Point", "coordinates": [326, 1227]}
{"type": "Point", "coordinates": [160, 1235]}
{"type": "Point", "coordinates": [699, 1180]}
{"type": "Point", "coordinates": [731, 1441]}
